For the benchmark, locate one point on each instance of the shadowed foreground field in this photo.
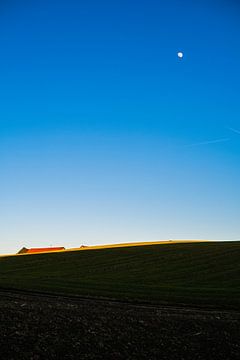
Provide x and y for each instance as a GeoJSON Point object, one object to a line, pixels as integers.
{"type": "Point", "coordinates": [202, 274]}
{"type": "Point", "coordinates": [55, 328]}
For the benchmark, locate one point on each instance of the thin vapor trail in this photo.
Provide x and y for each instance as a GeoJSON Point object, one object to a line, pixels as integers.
{"type": "Point", "coordinates": [209, 142]}
{"type": "Point", "coordinates": [235, 131]}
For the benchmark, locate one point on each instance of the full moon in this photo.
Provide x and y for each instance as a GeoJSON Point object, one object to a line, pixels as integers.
{"type": "Point", "coordinates": [180, 55]}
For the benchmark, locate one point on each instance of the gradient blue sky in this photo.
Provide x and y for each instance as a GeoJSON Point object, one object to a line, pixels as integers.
{"type": "Point", "coordinates": [105, 135]}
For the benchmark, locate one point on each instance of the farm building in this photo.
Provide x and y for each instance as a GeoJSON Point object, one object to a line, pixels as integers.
{"type": "Point", "coordinates": [40, 250]}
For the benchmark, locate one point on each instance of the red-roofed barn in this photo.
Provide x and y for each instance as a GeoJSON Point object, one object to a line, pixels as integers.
{"type": "Point", "coordinates": [40, 250]}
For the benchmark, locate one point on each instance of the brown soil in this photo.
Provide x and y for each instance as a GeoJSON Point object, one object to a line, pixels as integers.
{"type": "Point", "coordinates": [44, 327]}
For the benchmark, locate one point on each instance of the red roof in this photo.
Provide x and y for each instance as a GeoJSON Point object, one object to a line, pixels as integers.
{"type": "Point", "coordinates": [39, 250]}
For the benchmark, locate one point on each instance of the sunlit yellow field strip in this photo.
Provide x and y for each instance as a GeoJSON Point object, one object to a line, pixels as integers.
{"type": "Point", "coordinates": [109, 246]}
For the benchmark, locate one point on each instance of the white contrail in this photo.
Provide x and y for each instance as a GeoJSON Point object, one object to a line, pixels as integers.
{"type": "Point", "coordinates": [208, 142]}
{"type": "Point", "coordinates": [235, 130]}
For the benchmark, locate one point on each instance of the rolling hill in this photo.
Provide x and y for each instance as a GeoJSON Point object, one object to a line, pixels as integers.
{"type": "Point", "coordinates": [182, 273]}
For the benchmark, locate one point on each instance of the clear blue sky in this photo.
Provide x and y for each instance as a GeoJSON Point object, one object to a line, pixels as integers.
{"type": "Point", "coordinates": [105, 135]}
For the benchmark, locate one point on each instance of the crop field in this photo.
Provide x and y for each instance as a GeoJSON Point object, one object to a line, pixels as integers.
{"type": "Point", "coordinates": [202, 274]}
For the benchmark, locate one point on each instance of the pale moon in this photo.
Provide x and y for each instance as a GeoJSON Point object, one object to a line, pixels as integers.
{"type": "Point", "coordinates": [180, 55]}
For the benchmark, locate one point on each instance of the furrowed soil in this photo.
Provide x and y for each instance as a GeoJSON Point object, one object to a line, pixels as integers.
{"type": "Point", "coordinates": [38, 326]}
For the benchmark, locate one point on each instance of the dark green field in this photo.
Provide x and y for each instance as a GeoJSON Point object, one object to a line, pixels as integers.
{"type": "Point", "coordinates": [204, 274]}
